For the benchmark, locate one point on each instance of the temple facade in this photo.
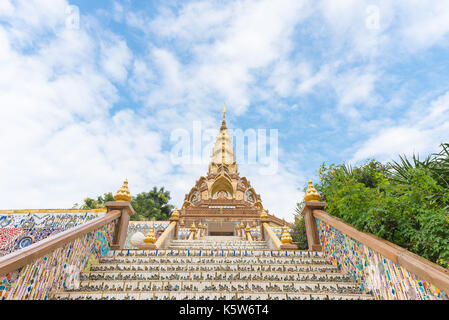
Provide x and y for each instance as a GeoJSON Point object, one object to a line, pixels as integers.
{"type": "Point", "coordinates": [223, 199]}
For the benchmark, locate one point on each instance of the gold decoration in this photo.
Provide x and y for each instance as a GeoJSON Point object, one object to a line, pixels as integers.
{"type": "Point", "coordinates": [175, 213]}
{"type": "Point", "coordinates": [193, 227]}
{"type": "Point", "coordinates": [311, 193]}
{"type": "Point", "coordinates": [247, 227]}
{"type": "Point", "coordinates": [123, 193]}
{"type": "Point", "coordinates": [149, 238]}
{"type": "Point", "coordinates": [264, 214]}
{"type": "Point", "coordinates": [200, 225]}
{"type": "Point", "coordinates": [242, 225]}
{"type": "Point", "coordinates": [286, 237]}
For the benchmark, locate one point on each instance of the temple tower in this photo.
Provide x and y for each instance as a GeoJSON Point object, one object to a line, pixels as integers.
{"type": "Point", "coordinates": [222, 199]}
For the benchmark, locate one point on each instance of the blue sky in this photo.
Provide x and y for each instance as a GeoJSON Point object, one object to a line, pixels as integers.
{"type": "Point", "coordinates": [86, 105]}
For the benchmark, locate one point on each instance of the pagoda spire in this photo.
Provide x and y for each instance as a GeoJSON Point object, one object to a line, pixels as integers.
{"type": "Point", "coordinates": [223, 152]}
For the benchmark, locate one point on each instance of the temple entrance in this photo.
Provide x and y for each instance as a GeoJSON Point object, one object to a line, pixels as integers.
{"type": "Point", "coordinates": [221, 228]}
{"type": "Point", "coordinates": [228, 234]}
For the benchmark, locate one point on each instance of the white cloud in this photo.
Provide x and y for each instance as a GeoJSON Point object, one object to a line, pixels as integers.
{"type": "Point", "coordinates": [420, 132]}
{"type": "Point", "coordinates": [116, 58]}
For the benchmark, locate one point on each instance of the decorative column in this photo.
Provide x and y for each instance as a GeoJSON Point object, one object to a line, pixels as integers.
{"type": "Point", "coordinates": [175, 218]}
{"type": "Point", "coordinates": [248, 232]}
{"type": "Point", "coordinates": [192, 231]}
{"type": "Point", "coordinates": [312, 201]}
{"type": "Point", "coordinates": [200, 230]}
{"type": "Point", "coordinates": [242, 230]}
{"type": "Point", "coordinates": [122, 203]}
{"type": "Point", "coordinates": [263, 219]}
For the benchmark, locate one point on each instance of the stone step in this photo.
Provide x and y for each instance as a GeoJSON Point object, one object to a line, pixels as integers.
{"type": "Point", "coordinates": [182, 267]}
{"type": "Point", "coordinates": [191, 295]}
{"type": "Point", "coordinates": [219, 285]}
{"type": "Point", "coordinates": [217, 276]}
{"type": "Point", "coordinates": [212, 253]}
{"type": "Point", "coordinates": [206, 273]}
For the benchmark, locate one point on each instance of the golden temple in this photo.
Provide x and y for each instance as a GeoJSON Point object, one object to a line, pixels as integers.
{"type": "Point", "coordinates": [223, 198]}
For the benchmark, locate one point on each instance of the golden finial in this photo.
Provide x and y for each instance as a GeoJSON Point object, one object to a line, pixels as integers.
{"type": "Point", "coordinates": [123, 193]}
{"type": "Point", "coordinates": [242, 225]}
{"type": "Point", "coordinates": [286, 237]}
{"type": "Point", "coordinates": [264, 214]}
{"type": "Point", "coordinates": [224, 111]}
{"type": "Point", "coordinates": [200, 225]}
{"type": "Point", "coordinates": [247, 227]}
{"type": "Point", "coordinates": [193, 227]}
{"type": "Point", "coordinates": [149, 238]}
{"type": "Point", "coordinates": [311, 193]}
{"type": "Point", "coordinates": [175, 213]}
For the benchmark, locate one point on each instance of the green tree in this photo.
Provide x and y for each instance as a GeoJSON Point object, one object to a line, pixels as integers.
{"type": "Point", "coordinates": [299, 234]}
{"type": "Point", "coordinates": [152, 205]}
{"type": "Point", "coordinates": [90, 203]}
{"type": "Point", "coordinates": [403, 202]}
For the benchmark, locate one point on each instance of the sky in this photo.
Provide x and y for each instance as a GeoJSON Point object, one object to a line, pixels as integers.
{"type": "Point", "coordinates": [92, 92]}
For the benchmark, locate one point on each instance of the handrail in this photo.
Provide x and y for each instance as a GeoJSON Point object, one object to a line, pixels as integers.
{"type": "Point", "coordinates": [415, 264]}
{"type": "Point", "coordinates": [20, 258]}
{"type": "Point", "coordinates": [164, 236]}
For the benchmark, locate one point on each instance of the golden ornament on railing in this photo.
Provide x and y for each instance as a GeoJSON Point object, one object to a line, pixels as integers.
{"type": "Point", "coordinates": [286, 237]}
{"type": "Point", "coordinates": [311, 193]}
{"type": "Point", "coordinates": [123, 193]}
{"type": "Point", "coordinates": [248, 228]}
{"type": "Point", "coordinates": [200, 226]}
{"type": "Point", "coordinates": [193, 227]}
{"type": "Point", "coordinates": [150, 238]}
{"type": "Point", "coordinates": [242, 225]}
{"type": "Point", "coordinates": [264, 214]}
{"type": "Point", "coordinates": [175, 213]}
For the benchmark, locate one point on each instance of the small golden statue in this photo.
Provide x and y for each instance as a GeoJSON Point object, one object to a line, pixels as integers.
{"type": "Point", "coordinates": [149, 238]}
{"type": "Point", "coordinates": [286, 237]}
{"type": "Point", "coordinates": [123, 193]}
{"type": "Point", "coordinates": [311, 193]}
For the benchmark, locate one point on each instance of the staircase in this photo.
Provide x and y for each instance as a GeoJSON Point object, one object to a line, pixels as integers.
{"type": "Point", "coordinates": [214, 268]}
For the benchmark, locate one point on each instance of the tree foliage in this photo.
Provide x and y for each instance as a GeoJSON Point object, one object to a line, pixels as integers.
{"type": "Point", "coordinates": [404, 202]}
{"type": "Point", "coordinates": [152, 205]}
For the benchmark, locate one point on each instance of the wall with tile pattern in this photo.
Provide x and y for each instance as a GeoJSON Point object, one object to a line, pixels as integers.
{"type": "Point", "coordinates": [384, 278]}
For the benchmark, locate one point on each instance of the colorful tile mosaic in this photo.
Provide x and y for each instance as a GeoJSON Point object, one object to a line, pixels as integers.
{"type": "Point", "coordinates": [58, 269]}
{"type": "Point", "coordinates": [143, 227]}
{"type": "Point", "coordinates": [8, 235]}
{"type": "Point", "coordinates": [385, 279]}
{"type": "Point", "coordinates": [18, 230]}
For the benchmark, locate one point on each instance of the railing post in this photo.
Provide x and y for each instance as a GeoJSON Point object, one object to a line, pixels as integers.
{"type": "Point", "coordinates": [313, 238]}
{"type": "Point", "coordinates": [263, 219]}
{"type": "Point", "coordinates": [122, 226]}
{"type": "Point", "coordinates": [175, 218]}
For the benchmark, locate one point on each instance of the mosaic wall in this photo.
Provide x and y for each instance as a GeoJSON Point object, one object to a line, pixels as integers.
{"type": "Point", "coordinates": [385, 279]}
{"type": "Point", "coordinates": [19, 230]}
{"type": "Point", "coordinates": [143, 227]}
{"type": "Point", "coordinates": [59, 269]}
